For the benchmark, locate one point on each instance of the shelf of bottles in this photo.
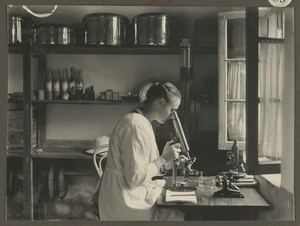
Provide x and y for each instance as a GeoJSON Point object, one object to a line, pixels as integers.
{"type": "Point", "coordinates": [66, 86]}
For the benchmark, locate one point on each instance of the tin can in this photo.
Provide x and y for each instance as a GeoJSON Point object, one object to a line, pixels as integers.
{"type": "Point", "coordinates": [41, 94]}
{"type": "Point", "coordinates": [155, 29]}
{"type": "Point", "coordinates": [116, 96]}
{"type": "Point", "coordinates": [105, 29]}
{"type": "Point", "coordinates": [109, 94]}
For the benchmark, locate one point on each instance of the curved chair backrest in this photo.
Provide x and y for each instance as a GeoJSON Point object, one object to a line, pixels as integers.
{"type": "Point", "coordinates": [103, 155]}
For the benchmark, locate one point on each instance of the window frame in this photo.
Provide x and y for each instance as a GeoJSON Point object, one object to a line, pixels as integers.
{"type": "Point", "coordinates": [223, 143]}
{"type": "Point", "coordinates": [251, 16]}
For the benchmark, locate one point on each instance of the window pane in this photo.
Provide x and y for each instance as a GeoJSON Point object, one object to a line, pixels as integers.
{"type": "Point", "coordinates": [236, 38]}
{"type": "Point", "coordinates": [236, 80]}
{"type": "Point", "coordinates": [236, 121]}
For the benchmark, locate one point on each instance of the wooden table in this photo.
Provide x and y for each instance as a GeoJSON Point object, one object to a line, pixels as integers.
{"type": "Point", "coordinates": [219, 208]}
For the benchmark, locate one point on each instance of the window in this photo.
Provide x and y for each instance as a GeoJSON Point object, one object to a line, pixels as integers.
{"type": "Point", "coordinates": [232, 84]}
{"type": "Point", "coordinates": [270, 86]}
{"type": "Point", "coordinates": [232, 80]}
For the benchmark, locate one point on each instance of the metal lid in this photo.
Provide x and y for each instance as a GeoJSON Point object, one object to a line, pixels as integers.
{"type": "Point", "coordinates": [14, 15]}
{"type": "Point", "coordinates": [93, 16]}
{"type": "Point", "coordinates": [54, 26]}
{"type": "Point", "coordinates": [153, 15]}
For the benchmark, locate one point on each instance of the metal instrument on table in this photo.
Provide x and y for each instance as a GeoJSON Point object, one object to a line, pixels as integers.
{"type": "Point", "coordinates": [228, 189]}
{"type": "Point", "coordinates": [185, 162]}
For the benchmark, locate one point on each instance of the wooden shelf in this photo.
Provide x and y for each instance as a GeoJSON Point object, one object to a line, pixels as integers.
{"type": "Point", "coordinates": [89, 102]}
{"type": "Point", "coordinates": [15, 49]}
{"type": "Point", "coordinates": [12, 101]}
{"type": "Point", "coordinates": [55, 49]}
{"type": "Point", "coordinates": [156, 50]}
{"type": "Point", "coordinates": [138, 50]}
{"type": "Point", "coordinates": [266, 39]}
{"type": "Point", "coordinates": [14, 153]}
{"type": "Point", "coordinates": [62, 153]}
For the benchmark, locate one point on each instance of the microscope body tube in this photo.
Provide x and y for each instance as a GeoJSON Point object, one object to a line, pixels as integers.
{"type": "Point", "coordinates": [184, 145]}
{"type": "Point", "coordinates": [180, 133]}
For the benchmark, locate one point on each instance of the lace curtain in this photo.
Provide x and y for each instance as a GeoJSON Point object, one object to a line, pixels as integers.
{"type": "Point", "coordinates": [271, 82]}
{"type": "Point", "coordinates": [236, 106]}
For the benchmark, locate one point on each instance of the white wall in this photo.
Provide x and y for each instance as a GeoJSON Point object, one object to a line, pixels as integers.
{"type": "Point", "coordinates": [287, 161]}
{"type": "Point", "coordinates": [121, 73]}
{"type": "Point", "coordinates": [15, 73]}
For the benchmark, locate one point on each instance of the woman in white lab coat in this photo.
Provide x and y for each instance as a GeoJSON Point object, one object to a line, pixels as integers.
{"type": "Point", "coordinates": [127, 191]}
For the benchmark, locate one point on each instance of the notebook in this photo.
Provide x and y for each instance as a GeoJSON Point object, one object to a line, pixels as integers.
{"type": "Point", "coordinates": [181, 196]}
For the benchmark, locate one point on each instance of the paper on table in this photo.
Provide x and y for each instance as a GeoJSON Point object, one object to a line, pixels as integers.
{"type": "Point", "coordinates": [181, 196]}
{"type": "Point", "coordinates": [247, 178]}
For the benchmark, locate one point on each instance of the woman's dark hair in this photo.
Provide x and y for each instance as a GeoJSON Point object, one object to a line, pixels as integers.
{"type": "Point", "coordinates": [153, 91]}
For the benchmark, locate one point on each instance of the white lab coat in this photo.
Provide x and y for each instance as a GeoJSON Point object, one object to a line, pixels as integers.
{"type": "Point", "coordinates": [127, 191]}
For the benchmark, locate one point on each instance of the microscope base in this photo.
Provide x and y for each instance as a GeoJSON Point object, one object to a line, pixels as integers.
{"type": "Point", "coordinates": [229, 193]}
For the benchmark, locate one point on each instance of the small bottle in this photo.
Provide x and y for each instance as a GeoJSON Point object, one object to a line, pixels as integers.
{"type": "Point", "coordinates": [56, 85]}
{"type": "Point", "coordinates": [109, 94]}
{"type": "Point", "coordinates": [79, 86]}
{"type": "Point", "coordinates": [72, 85]}
{"type": "Point", "coordinates": [86, 94]}
{"type": "Point", "coordinates": [201, 179]}
{"type": "Point", "coordinates": [234, 150]}
{"type": "Point", "coordinates": [48, 85]}
{"type": "Point", "coordinates": [64, 82]}
{"type": "Point", "coordinates": [92, 93]}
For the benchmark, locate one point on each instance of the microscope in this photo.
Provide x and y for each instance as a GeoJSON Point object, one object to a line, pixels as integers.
{"type": "Point", "coordinates": [184, 162]}
{"type": "Point", "coordinates": [228, 188]}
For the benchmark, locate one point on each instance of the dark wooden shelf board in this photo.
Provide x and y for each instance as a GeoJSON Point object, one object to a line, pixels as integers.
{"type": "Point", "coordinates": [15, 49]}
{"type": "Point", "coordinates": [62, 153]}
{"type": "Point", "coordinates": [138, 50]}
{"type": "Point", "coordinates": [266, 39]}
{"type": "Point", "coordinates": [105, 50]}
{"type": "Point", "coordinates": [14, 152]}
{"type": "Point", "coordinates": [91, 102]}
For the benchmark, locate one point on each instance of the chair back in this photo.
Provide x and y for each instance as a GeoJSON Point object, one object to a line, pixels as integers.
{"type": "Point", "coordinates": [103, 155]}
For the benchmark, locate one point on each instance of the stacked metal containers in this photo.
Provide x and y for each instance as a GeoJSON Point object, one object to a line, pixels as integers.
{"type": "Point", "coordinates": [19, 28]}
{"type": "Point", "coordinates": [148, 29]}
{"type": "Point", "coordinates": [154, 29]}
{"type": "Point", "coordinates": [101, 29]}
{"type": "Point", "coordinates": [105, 29]}
{"type": "Point", "coordinates": [54, 34]}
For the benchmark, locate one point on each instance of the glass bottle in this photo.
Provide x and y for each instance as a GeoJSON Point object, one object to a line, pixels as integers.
{"type": "Point", "coordinates": [92, 93]}
{"type": "Point", "coordinates": [56, 85]}
{"type": "Point", "coordinates": [79, 86]}
{"type": "Point", "coordinates": [72, 85]}
{"type": "Point", "coordinates": [64, 81]}
{"type": "Point", "coordinates": [48, 85]}
{"type": "Point", "coordinates": [234, 150]}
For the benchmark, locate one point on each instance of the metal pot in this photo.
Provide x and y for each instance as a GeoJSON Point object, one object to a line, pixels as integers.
{"type": "Point", "coordinates": [154, 29]}
{"type": "Point", "coordinates": [54, 34]}
{"type": "Point", "coordinates": [19, 28]}
{"type": "Point", "coordinates": [105, 29]}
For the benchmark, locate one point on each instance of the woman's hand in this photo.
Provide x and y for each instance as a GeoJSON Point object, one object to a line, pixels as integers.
{"type": "Point", "coordinates": [171, 151]}
{"type": "Point", "coordinates": [168, 165]}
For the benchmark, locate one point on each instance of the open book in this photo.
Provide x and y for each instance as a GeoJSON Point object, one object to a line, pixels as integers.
{"type": "Point", "coordinates": [181, 196]}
